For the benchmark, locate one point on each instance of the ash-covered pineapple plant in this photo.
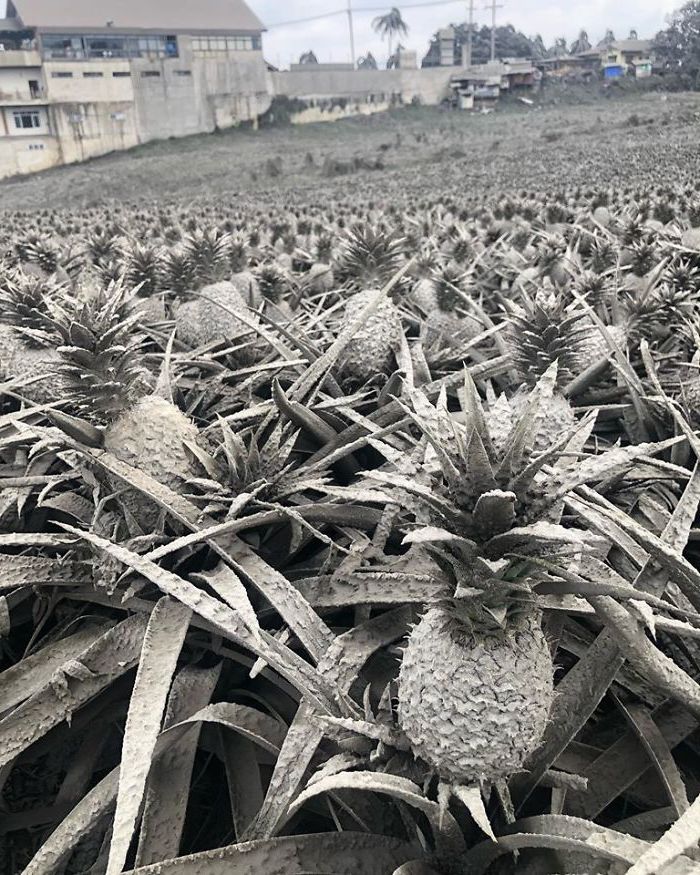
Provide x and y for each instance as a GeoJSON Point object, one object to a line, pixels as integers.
{"type": "Point", "coordinates": [368, 257]}
{"type": "Point", "coordinates": [476, 677]}
{"type": "Point", "coordinates": [475, 685]}
{"type": "Point", "coordinates": [28, 339]}
{"type": "Point", "coordinates": [107, 385]}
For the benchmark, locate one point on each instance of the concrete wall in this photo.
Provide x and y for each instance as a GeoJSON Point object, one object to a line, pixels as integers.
{"type": "Point", "coordinates": [89, 82]}
{"type": "Point", "coordinates": [86, 130]}
{"type": "Point", "coordinates": [28, 155]}
{"type": "Point", "coordinates": [429, 85]}
{"type": "Point", "coordinates": [353, 107]}
{"type": "Point", "coordinates": [14, 82]}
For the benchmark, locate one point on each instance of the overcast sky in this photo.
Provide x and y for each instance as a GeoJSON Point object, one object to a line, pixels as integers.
{"type": "Point", "coordinates": [329, 37]}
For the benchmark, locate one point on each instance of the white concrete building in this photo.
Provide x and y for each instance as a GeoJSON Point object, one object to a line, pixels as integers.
{"type": "Point", "coordinates": [87, 77]}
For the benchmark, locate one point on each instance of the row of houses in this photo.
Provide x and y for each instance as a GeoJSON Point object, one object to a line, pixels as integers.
{"type": "Point", "coordinates": [86, 77]}
{"type": "Point", "coordinates": [609, 59]}
{"type": "Point", "coordinates": [629, 57]}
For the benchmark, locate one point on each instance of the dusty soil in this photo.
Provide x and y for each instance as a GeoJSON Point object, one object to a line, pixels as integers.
{"type": "Point", "coordinates": [577, 140]}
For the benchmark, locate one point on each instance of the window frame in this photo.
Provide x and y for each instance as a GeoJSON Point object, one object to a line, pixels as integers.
{"type": "Point", "coordinates": [21, 115]}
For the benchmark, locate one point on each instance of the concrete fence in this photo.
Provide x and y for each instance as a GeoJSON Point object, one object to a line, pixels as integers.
{"type": "Point", "coordinates": [430, 85]}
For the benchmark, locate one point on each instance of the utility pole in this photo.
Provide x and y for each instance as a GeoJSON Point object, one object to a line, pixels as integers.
{"type": "Point", "coordinates": [352, 34]}
{"type": "Point", "coordinates": [470, 33]}
{"type": "Point", "coordinates": [493, 6]}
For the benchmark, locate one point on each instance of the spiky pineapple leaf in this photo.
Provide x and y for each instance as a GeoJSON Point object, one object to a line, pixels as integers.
{"type": "Point", "coordinates": [34, 672]}
{"type": "Point", "coordinates": [446, 832]}
{"type": "Point", "coordinates": [659, 753]}
{"type": "Point", "coordinates": [168, 787]}
{"type": "Point", "coordinates": [163, 640]}
{"type": "Point", "coordinates": [77, 681]}
{"type": "Point", "coordinates": [683, 835]}
{"type": "Point", "coordinates": [350, 852]}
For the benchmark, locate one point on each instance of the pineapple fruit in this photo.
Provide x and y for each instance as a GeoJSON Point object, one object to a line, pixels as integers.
{"type": "Point", "coordinates": [474, 701]}
{"type": "Point", "coordinates": [371, 350]}
{"type": "Point", "coordinates": [213, 317]}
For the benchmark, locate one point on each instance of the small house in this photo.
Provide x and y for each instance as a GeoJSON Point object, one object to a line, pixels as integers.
{"type": "Point", "coordinates": [627, 57]}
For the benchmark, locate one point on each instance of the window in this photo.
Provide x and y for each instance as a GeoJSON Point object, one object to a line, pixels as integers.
{"type": "Point", "coordinates": [183, 72]}
{"type": "Point", "coordinates": [150, 73]}
{"type": "Point", "coordinates": [92, 74]}
{"type": "Point", "coordinates": [26, 118]}
{"type": "Point", "coordinates": [109, 45]}
{"type": "Point", "coordinates": [62, 46]}
{"type": "Point", "coordinates": [235, 43]}
{"type": "Point", "coordinates": [62, 74]}
{"type": "Point", "coordinates": [121, 74]}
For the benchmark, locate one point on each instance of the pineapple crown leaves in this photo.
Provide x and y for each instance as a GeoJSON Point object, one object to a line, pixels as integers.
{"type": "Point", "coordinates": [26, 303]}
{"type": "Point", "coordinates": [543, 330]}
{"type": "Point", "coordinates": [99, 352]}
{"type": "Point", "coordinates": [450, 283]}
{"type": "Point", "coordinates": [369, 256]}
{"type": "Point", "coordinates": [252, 467]}
{"type": "Point", "coordinates": [238, 251]}
{"type": "Point", "coordinates": [482, 494]}
{"type": "Point", "coordinates": [272, 283]}
{"type": "Point", "coordinates": [481, 488]}
{"type": "Point", "coordinates": [144, 268]}
{"type": "Point", "coordinates": [207, 252]}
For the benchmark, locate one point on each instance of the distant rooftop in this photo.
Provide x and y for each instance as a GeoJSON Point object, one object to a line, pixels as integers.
{"type": "Point", "coordinates": [183, 16]}
{"type": "Point", "coordinates": [632, 45]}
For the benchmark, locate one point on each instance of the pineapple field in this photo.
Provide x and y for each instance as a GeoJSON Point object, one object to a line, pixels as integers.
{"type": "Point", "coordinates": [349, 492]}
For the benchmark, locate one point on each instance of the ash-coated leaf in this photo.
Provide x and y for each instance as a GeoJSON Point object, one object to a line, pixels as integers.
{"type": "Point", "coordinates": [113, 654]}
{"type": "Point", "coordinates": [162, 643]}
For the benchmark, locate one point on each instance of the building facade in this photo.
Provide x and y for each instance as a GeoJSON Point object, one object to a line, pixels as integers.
{"type": "Point", "coordinates": [88, 77]}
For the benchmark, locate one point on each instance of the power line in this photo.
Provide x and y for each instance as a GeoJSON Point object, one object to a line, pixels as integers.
{"type": "Point", "coordinates": [336, 12]}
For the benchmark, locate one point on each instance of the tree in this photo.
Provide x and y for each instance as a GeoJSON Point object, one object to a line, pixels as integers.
{"type": "Point", "coordinates": [539, 50]}
{"type": "Point", "coordinates": [308, 58]}
{"type": "Point", "coordinates": [367, 62]}
{"type": "Point", "coordinates": [393, 62]}
{"type": "Point", "coordinates": [559, 49]}
{"type": "Point", "coordinates": [678, 47]}
{"type": "Point", "coordinates": [510, 43]}
{"type": "Point", "coordinates": [633, 34]}
{"type": "Point", "coordinates": [390, 25]}
{"type": "Point", "coordinates": [581, 44]}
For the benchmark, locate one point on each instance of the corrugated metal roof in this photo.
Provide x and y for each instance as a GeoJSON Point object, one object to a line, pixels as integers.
{"type": "Point", "coordinates": [164, 15]}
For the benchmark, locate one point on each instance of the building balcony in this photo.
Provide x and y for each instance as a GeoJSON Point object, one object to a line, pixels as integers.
{"type": "Point", "coordinates": [19, 58]}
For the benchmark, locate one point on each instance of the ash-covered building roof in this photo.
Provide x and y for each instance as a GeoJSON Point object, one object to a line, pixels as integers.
{"type": "Point", "coordinates": [172, 16]}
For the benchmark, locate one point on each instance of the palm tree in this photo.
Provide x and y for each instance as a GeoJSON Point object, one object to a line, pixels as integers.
{"type": "Point", "coordinates": [390, 25]}
{"type": "Point", "coordinates": [582, 44]}
{"type": "Point", "coordinates": [394, 60]}
{"type": "Point", "coordinates": [367, 62]}
{"type": "Point", "coordinates": [308, 58]}
{"type": "Point", "coordinates": [559, 49]}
